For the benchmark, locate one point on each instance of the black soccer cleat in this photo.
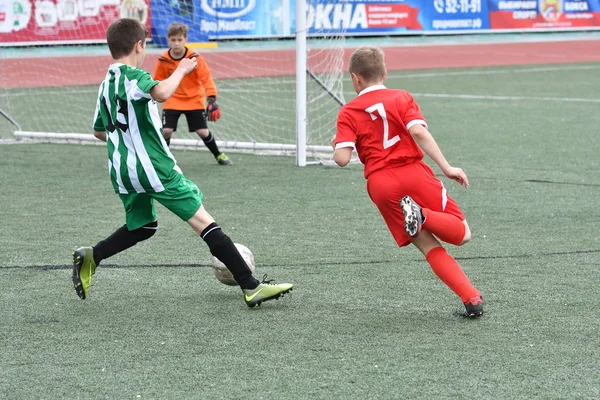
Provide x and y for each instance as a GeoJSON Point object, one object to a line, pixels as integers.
{"type": "Point", "coordinates": [474, 307]}
{"type": "Point", "coordinates": [413, 217]}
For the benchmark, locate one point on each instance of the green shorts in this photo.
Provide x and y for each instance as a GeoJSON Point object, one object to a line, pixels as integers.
{"type": "Point", "coordinates": [182, 199]}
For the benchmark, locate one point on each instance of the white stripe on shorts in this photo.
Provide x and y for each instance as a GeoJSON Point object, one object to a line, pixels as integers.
{"type": "Point", "coordinates": [444, 197]}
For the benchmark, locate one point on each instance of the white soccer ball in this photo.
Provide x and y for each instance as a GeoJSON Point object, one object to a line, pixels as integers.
{"type": "Point", "coordinates": [221, 271]}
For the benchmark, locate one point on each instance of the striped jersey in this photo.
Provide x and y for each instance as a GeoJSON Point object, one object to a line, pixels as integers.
{"type": "Point", "coordinates": [139, 160]}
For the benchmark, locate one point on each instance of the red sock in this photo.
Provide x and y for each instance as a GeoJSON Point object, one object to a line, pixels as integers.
{"type": "Point", "coordinates": [446, 227]}
{"type": "Point", "coordinates": [448, 270]}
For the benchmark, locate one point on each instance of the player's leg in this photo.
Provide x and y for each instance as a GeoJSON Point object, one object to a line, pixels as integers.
{"type": "Point", "coordinates": [447, 227]}
{"type": "Point", "coordinates": [222, 247]}
{"type": "Point", "coordinates": [386, 188]}
{"type": "Point", "coordinates": [185, 200]}
{"type": "Point", "coordinates": [170, 119]}
{"type": "Point", "coordinates": [448, 224]}
{"type": "Point", "coordinates": [440, 214]}
{"type": "Point", "coordinates": [197, 123]}
{"type": "Point", "coordinates": [449, 272]}
{"type": "Point", "coordinates": [140, 225]}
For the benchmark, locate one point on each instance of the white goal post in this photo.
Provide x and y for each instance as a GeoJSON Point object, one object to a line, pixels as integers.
{"type": "Point", "coordinates": [301, 68]}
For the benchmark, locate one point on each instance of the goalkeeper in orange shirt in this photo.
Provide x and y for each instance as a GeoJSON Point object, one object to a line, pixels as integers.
{"type": "Point", "coordinates": [189, 98]}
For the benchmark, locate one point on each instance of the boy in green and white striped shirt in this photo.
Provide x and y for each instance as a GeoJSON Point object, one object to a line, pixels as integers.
{"type": "Point", "coordinates": [142, 169]}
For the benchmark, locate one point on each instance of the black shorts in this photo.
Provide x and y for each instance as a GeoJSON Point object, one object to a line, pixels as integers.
{"type": "Point", "coordinates": [196, 119]}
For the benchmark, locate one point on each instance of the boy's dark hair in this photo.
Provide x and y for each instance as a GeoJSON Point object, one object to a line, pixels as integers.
{"type": "Point", "coordinates": [123, 34]}
{"type": "Point", "coordinates": [368, 63]}
{"type": "Point", "coordinates": [177, 28]}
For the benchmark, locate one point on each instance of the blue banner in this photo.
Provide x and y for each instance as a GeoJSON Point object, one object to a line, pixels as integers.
{"type": "Point", "coordinates": [225, 19]}
{"type": "Point", "coordinates": [369, 17]}
{"type": "Point", "coordinates": [217, 19]}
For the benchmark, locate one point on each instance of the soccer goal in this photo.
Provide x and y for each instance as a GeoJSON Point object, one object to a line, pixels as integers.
{"type": "Point", "coordinates": [277, 96]}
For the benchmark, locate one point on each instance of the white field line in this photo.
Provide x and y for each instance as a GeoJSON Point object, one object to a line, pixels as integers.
{"type": "Point", "coordinates": [399, 74]}
{"type": "Point", "coordinates": [396, 74]}
{"type": "Point", "coordinates": [508, 98]}
{"type": "Point", "coordinates": [33, 92]}
{"type": "Point", "coordinates": [431, 95]}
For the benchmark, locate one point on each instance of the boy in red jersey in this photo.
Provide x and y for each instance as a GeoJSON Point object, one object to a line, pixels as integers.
{"type": "Point", "coordinates": [390, 135]}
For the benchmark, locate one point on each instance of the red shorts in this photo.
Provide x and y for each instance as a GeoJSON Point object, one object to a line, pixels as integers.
{"type": "Point", "coordinates": [387, 187]}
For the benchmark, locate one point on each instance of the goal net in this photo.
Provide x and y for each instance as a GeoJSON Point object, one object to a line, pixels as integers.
{"type": "Point", "coordinates": [49, 90]}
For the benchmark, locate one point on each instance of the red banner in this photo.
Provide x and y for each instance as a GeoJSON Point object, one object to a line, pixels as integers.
{"type": "Point", "coordinates": [65, 21]}
{"type": "Point", "coordinates": [393, 16]}
{"type": "Point", "coordinates": [507, 20]}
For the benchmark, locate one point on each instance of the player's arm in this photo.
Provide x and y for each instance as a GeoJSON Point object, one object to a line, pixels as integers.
{"type": "Point", "coordinates": [342, 155]}
{"type": "Point", "coordinates": [417, 127]}
{"type": "Point", "coordinates": [101, 135]}
{"type": "Point", "coordinates": [213, 112]}
{"type": "Point", "coordinates": [344, 140]}
{"type": "Point", "coordinates": [205, 78]}
{"type": "Point", "coordinates": [99, 128]}
{"type": "Point", "coordinates": [429, 146]}
{"type": "Point", "coordinates": [166, 88]}
{"type": "Point", "coordinates": [160, 72]}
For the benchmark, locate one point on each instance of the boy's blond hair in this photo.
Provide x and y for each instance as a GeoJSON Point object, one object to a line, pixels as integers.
{"type": "Point", "coordinates": [177, 28]}
{"type": "Point", "coordinates": [123, 34]}
{"type": "Point", "coordinates": [368, 63]}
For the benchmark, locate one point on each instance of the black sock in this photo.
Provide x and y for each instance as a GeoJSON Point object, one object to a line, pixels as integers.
{"type": "Point", "coordinates": [222, 247]}
{"type": "Point", "coordinates": [168, 141]}
{"type": "Point", "coordinates": [122, 239]}
{"type": "Point", "coordinates": [211, 143]}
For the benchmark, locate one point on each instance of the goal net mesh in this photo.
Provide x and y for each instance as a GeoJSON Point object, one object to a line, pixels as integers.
{"type": "Point", "coordinates": [50, 90]}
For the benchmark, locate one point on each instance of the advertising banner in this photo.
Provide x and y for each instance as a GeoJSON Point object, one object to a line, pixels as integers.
{"type": "Point", "coordinates": [221, 19]}
{"type": "Point", "coordinates": [85, 21]}
{"type": "Point", "coordinates": [64, 21]}
{"type": "Point", "coordinates": [544, 14]}
{"type": "Point", "coordinates": [374, 17]}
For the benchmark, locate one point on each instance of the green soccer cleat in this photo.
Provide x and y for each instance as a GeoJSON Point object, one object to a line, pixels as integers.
{"type": "Point", "coordinates": [84, 267]}
{"type": "Point", "coordinates": [222, 159]}
{"type": "Point", "coordinates": [265, 291]}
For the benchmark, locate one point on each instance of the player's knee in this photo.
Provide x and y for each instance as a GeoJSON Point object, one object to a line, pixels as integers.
{"type": "Point", "coordinates": [147, 231]}
{"type": "Point", "coordinates": [425, 242]}
{"type": "Point", "coordinates": [467, 236]}
{"type": "Point", "coordinates": [167, 132]}
{"type": "Point", "coordinates": [203, 133]}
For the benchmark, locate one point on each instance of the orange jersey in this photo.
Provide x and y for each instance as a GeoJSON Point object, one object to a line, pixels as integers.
{"type": "Point", "coordinates": [193, 87]}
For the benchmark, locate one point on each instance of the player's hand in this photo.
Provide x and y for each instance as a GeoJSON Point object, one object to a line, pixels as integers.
{"type": "Point", "coordinates": [333, 143]}
{"type": "Point", "coordinates": [213, 112]}
{"type": "Point", "coordinates": [458, 175]}
{"type": "Point", "coordinates": [187, 65]}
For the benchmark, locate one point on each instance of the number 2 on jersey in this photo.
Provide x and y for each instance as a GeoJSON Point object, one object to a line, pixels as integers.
{"type": "Point", "coordinates": [387, 142]}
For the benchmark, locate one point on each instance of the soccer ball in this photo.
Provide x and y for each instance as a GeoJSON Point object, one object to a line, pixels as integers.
{"type": "Point", "coordinates": [221, 271]}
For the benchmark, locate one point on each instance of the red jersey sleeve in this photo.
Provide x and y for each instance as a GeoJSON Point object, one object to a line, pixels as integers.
{"type": "Point", "coordinates": [345, 135]}
{"type": "Point", "coordinates": [412, 113]}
